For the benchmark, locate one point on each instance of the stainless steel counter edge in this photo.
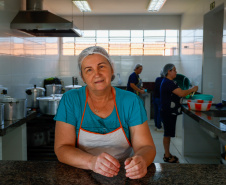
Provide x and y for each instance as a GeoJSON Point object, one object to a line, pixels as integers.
{"type": "Point", "coordinates": [205, 122]}
{"type": "Point", "coordinates": [8, 126]}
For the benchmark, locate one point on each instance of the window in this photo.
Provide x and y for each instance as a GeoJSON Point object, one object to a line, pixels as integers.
{"type": "Point", "coordinates": [125, 42]}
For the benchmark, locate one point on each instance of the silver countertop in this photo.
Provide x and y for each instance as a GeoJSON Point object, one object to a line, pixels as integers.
{"type": "Point", "coordinates": [8, 126]}
{"type": "Point", "coordinates": [211, 123]}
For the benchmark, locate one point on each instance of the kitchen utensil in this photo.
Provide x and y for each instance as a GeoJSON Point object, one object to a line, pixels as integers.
{"type": "Point", "coordinates": [32, 93]}
{"type": "Point", "coordinates": [10, 108]}
{"type": "Point", "coordinates": [14, 109]}
{"type": "Point", "coordinates": [182, 81]}
{"type": "Point", "coordinates": [199, 105]}
{"type": "Point", "coordinates": [56, 95]}
{"type": "Point", "coordinates": [192, 94]}
{"type": "Point", "coordinates": [53, 89]}
{"type": "Point", "coordinates": [202, 97]}
{"type": "Point", "coordinates": [21, 108]}
{"type": "Point", "coordinates": [48, 104]}
{"type": "Point", "coordinates": [69, 87]}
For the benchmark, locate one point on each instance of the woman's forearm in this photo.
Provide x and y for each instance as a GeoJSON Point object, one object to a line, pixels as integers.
{"type": "Point", "coordinates": [134, 87]}
{"type": "Point", "coordinates": [148, 153]}
{"type": "Point", "coordinates": [74, 157]}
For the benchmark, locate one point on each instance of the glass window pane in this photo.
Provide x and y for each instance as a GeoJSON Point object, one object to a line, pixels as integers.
{"type": "Point", "coordinates": [137, 33]}
{"type": "Point", "coordinates": [89, 33]}
{"type": "Point", "coordinates": [68, 39]}
{"type": "Point", "coordinates": [119, 33]}
{"type": "Point", "coordinates": [148, 33]}
{"type": "Point", "coordinates": [137, 51]}
{"type": "Point", "coordinates": [137, 40]}
{"type": "Point", "coordinates": [102, 40]}
{"type": "Point", "coordinates": [132, 42]}
{"type": "Point", "coordinates": [171, 33]}
{"type": "Point", "coordinates": [171, 39]}
{"type": "Point", "coordinates": [102, 33]}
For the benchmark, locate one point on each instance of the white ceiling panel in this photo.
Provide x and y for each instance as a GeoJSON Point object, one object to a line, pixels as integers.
{"type": "Point", "coordinates": [117, 7]}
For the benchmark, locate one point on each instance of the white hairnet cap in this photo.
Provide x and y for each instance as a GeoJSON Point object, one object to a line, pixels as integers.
{"type": "Point", "coordinates": [94, 50]}
{"type": "Point", "coordinates": [166, 68]}
{"type": "Point", "coordinates": [137, 66]}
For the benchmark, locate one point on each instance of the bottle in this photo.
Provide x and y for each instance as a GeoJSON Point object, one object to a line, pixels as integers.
{"type": "Point", "coordinates": [119, 79]}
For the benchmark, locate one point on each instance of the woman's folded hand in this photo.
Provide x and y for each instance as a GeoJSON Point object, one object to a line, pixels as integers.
{"type": "Point", "coordinates": [105, 164]}
{"type": "Point", "coordinates": [135, 167]}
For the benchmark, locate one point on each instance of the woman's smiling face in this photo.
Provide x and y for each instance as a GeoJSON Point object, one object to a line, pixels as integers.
{"type": "Point", "coordinates": [96, 72]}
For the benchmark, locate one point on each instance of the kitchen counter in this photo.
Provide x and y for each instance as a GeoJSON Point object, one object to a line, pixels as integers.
{"type": "Point", "coordinates": [13, 138]}
{"type": "Point", "coordinates": [11, 125]}
{"type": "Point", "coordinates": [27, 172]}
{"type": "Point", "coordinates": [208, 122]}
{"type": "Point", "coordinates": [204, 132]}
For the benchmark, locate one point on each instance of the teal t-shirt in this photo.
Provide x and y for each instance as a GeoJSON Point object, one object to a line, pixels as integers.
{"type": "Point", "coordinates": [130, 108]}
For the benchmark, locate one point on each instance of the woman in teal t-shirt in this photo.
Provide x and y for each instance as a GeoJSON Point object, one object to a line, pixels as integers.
{"type": "Point", "coordinates": [98, 126]}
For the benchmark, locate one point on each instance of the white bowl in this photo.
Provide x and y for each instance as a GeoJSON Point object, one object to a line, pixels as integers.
{"type": "Point", "coordinates": [199, 105]}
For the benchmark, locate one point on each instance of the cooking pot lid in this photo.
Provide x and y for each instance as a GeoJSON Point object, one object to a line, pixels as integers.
{"type": "Point", "coordinates": [73, 86]}
{"type": "Point", "coordinates": [3, 88]}
{"type": "Point", "coordinates": [32, 88]}
{"type": "Point", "coordinates": [48, 98]}
{"type": "Point", "coordinates": [8, 100]}
{"type": "Point", "coordinates": [56, 95]}
{"type": "Point", "coordinates": [50, 85]}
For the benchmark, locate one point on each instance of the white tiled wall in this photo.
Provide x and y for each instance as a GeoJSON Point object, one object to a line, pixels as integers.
{"type": "Point", "coordinates": [123, 65]}
{"type": "Point", "coordinates": [26, 63]}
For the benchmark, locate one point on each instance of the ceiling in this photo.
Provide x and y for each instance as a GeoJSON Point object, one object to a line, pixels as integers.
{"type": "Point", "coordinates": [116, 7]}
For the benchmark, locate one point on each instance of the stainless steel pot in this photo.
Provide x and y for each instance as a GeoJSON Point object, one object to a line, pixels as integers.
{"type": "Point", "coordinates": [69, 87]}
{"type": "Point", "coordinates": [48, 104]}
{"type": "Point", "coordinates": [21, 108]}
{"type": "Point", "coordinates": [32, 94]}
{"type": "Point", "coordinates": [14, 109]}
{"type": "Point", "coordinates": [53, 89]}
{"type": "Point", "coordinates": [2, 113]}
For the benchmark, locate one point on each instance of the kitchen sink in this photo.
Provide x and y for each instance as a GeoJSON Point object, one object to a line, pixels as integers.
{"type": "Point", "coordinates": [216, 113]}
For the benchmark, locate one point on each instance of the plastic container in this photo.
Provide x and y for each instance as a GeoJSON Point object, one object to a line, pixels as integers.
{"type": "Point", "coordinates": [182, 81]}
{"type": "Point", "coordinates": [202, 97]}
{"type": "Point", "coordinates": [199, 105]}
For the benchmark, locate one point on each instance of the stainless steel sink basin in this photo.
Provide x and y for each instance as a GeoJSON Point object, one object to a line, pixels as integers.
{"type": "Point", "coordinates": [216, 113]}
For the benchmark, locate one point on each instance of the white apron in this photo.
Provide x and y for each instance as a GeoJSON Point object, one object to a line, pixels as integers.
{"type": "Point", "coordinates": [114, 143]}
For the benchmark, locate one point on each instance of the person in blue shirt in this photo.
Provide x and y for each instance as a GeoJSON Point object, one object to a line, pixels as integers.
{"type": "Point", "coordinates": [100, 127]}
{"type": "Point", "coordinates": [134, 81]}
{"type": "Point", "coordinates": [170, 97]}
{"type": "Point", "coordinates": [156, 102]}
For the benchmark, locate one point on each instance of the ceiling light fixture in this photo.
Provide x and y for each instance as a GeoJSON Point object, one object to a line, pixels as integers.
{"type": "Point", "coordinates": [155, 5]}
{"type": "Point", "coordinates": [82, 5]}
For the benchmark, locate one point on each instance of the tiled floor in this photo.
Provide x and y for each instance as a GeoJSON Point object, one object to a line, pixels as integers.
{"type": "Point", "coordinates": [176, 149]}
